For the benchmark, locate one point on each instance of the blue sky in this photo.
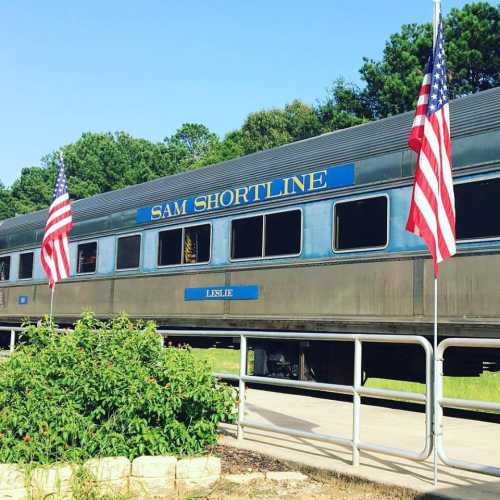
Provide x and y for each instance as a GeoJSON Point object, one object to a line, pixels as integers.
{"type": "Point", "coordinates": [147, 67]}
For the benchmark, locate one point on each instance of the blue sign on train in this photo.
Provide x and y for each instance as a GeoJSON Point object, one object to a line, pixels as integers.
{"type": "Point", "coordinates": [22, 300]}
{"type": "Point", "coordinates": [320, 180]}
{"type": "Point", "coordinates": [234, 292]}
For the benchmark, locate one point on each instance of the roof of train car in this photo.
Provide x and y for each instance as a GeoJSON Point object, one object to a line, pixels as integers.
{"type": "Point", "coordinates": [470, 115]}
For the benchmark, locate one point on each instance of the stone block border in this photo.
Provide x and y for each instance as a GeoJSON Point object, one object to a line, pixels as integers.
{"type": "Point", "coordinates": [145, 477]}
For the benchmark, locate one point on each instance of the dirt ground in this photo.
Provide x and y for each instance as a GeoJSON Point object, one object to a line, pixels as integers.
{"type": "Point", "coordinates": [235, 461]}
{"type": "Point", "coordinates": [321, 485]}
{"type": "Point", "coordinates": [306, 490]}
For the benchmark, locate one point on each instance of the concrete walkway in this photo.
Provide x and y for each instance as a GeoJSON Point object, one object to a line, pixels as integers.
{"type": "Point", "coordinates": [464, 439]}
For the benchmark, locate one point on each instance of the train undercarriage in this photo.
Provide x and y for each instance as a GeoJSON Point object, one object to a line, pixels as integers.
{"type": "Point", "coordinates": [332, 361]}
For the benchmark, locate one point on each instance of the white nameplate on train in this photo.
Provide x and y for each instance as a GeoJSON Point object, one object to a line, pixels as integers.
{"type": "Point", "coordinates": [235, 292]}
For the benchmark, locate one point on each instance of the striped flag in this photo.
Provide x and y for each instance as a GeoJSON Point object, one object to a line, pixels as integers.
{"type": "Point", "coordinates": [432, 210]}
{"type": "Point", "coordinates": [55, 252]}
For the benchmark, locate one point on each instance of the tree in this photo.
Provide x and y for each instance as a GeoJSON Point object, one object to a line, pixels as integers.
{"type": "Point", "coordinates": [100, 162]}
{"type": "Point", "coordinates": [343, 107]}
{"type": "Point", "coordinates": [95, 163]}
{"type": "Point", "coordinates": [263, 130]}
{"type": "Point", "coordinates": [6, 203]}
{"type": "Point", "coordinates": [302, 120]}
{"type": "Point", "coordinates": [472, 37]}
{"type": "Point", "coordinates": [227, 149]}
{"type": "Point", "coordinates": [473, 47]}
{"type": "Point", "coordinates": [270, 128]}
{"type": "Point", "coordinates": [392, 84]}
{"type": "Point", "coordinates": [190, 145]}
{"type": "Point", "coordinates": [33, 190]}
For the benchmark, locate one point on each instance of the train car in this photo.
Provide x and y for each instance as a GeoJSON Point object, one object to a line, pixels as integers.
{"type": "Point", "coordinates": [309, 236]}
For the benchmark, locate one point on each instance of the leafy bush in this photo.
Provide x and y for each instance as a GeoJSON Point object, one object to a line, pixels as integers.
{"type": "Point", "coordinates": [106, 389]}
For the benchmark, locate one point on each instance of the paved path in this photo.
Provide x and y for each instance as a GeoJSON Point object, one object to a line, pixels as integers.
{"type": "Point", "coordinates": [464, 439]}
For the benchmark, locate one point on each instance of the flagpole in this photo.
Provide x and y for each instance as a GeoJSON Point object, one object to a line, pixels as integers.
{"type": "Point", "coordinates": [434, 392]}
{"type": "Point", "coordinates": [52, 290]}
{"type": "Point", "coordinates": [435, 20]}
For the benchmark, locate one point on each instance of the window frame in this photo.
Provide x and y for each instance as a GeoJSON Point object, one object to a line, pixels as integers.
{"type": "Point", "coordinates": [470, 181]}
{"type": "Point", "coordinates": [32, 266]}
{"type": "Point", "coordinates": [264, 214]}
{"type": "Point", "coordinates": [140, 252]}
{"type": "Point", "coordinates": [183, 228]}
{"type": "Point", "coordinates": [10, 280]}
{"type": "Point", "coordinates": [85, 242]}
{"type": "Point", "coordinates": [357, 198]}
{"type": "Point", "coordinates": [249, 216]}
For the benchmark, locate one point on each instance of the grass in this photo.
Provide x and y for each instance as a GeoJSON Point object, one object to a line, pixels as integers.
{"type": "Point", "coordinates": [223, 360]}
{"type": "Point", "coordinates": [484, 388]}
{"type": "Point", "coordinates": [84, 487]}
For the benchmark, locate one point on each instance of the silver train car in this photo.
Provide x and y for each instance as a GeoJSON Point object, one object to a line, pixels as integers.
{"type": "Point", "coordinates": [308, 236]}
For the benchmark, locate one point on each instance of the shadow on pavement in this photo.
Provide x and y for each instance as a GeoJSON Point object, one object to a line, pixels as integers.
{"type": "Point", "coordinates": [485, 490]}
{"type": "Point", "coordinates": [281, 419]}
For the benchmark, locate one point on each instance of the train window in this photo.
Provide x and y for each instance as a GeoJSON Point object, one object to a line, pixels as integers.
{"type": "Point", "coordinates": [190, 245]}
{"type": "Point", "coordinates": [86, 258]}
{"type": "Point", "coordinates": [129, 252]}
{"type": "Point", "coordinates": [170, 247]}
{"type": "Point", "coordinates": [5, 268]}
{"type": "Point", "coordinates": [26, 266]}
{"type": "Point", "coordinates": [360, 224]}
{"type": "Point", "coordinates": [283, 233]}
{"type": "Point", "coordinates": [475, 204]}
{"type": "Point", "coordinates": [246, 237]}
{"type": "Point", "coordinates": [196, 244]}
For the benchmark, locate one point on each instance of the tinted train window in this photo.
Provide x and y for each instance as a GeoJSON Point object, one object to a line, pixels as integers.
{"type": "Point", "coordinates": [86, 258]}
{"type": "Point", "coordinates": [26, 266]}
{"type": "Point", "coordinates": [477, 205]}
{"type": "Point", "coordinates": [282, 230]}
{"type": "Point", "coordinates": [196, 244]}
{"type": "Point", "coordinates": [4, 268]}
{"type": "Point", "coordinates": [283, 233]}
{"type": "Point", "coordinates": [170, 247]}
{"type": "Point", "coordinates": [360, 224]}
{"type": "Point", "coordinates": [129, 252]}
{"type": "Point", "coordinates": [190, 245]}
{"type": "Point", "coordinates": [246, 237]}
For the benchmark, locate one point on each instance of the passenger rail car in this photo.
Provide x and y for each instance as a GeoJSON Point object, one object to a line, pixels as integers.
{"type": "Point", "coordinates": [307, 236]}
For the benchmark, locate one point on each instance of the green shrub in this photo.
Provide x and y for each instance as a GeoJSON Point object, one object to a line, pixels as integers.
{"type": "Point", "coordinates": [106, 389]}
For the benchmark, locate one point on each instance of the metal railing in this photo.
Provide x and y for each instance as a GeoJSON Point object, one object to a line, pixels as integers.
{"type": "Point", "coordinates": [356, 390]}
{"type": "Point", "coordinates": [466, 404]}
{"type": "Point", "coordinates": [12, 330]}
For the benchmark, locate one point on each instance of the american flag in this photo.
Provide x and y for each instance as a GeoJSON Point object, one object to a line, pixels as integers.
{"type": "Point", "coordinates": [55, 253]}
{"type": "Point", "coordinates": [432, 210]}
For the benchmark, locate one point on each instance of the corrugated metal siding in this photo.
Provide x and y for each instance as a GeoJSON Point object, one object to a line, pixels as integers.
{"type": "Point", "coordinates": [470, 115]}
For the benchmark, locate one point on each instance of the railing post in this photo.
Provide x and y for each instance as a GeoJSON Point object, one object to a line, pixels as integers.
{"type": "Point", "coordinates": [429, 398]}
{"type": "Point", "coordinates": [356, 402]}
{"type": "Point", "coordinates": [12, 341]}
{"type": "Point", "coordinates": [243, 372]}
{"type": "Point", "coordinates": [468, 404]}
{"type": "Point", "coordinates": [438, 411]}
{"type": "Point", "coordinates": [354, 442]}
